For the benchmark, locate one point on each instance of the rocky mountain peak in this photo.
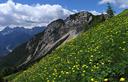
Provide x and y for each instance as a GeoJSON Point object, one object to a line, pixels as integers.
{"type": "Point", "coordinates": [79, 15]}
{"type": "Point", "coordinates": [56, 33]}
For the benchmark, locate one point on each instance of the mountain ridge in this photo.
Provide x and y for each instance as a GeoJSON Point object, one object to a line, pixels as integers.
{"type": "Point", "coordinates": [9, 37]}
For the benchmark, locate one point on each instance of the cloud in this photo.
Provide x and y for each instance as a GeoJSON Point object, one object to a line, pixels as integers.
{"type": "Point", "coordinates": [119, 3]}
{"type": "Point", "coordinates": [107, 1]}
{"type": "Point", "coordinates": [23, 15]}
{"type": "Point", "coordinates": [95, 12]}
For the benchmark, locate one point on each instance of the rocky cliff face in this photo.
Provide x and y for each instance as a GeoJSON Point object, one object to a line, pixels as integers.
{"type": "Point", "coordinates": [55, 34]}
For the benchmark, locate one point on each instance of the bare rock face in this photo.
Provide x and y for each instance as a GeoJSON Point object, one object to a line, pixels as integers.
{"type": "Point", "coordinates": [55, 34]}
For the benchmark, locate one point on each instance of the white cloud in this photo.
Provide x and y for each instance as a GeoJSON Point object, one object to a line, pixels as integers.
{"type": "Point", "coordinates": [119, 3]}
{"type": "Point", "coordinates": [107, 1]}
{"type": "Point", "coordinates": [95, 12]}
{"type": "Point", "coordinates": [23, 15]}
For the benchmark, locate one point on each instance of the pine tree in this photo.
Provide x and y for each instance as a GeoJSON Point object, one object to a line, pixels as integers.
{"type": "Point", "coordinates": [110, 11]}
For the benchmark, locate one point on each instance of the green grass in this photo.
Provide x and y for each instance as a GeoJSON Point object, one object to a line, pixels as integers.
{"type": "Point", "coordinates": [98, 54]}
{"type": "Point", "coordinates": [124, 13]}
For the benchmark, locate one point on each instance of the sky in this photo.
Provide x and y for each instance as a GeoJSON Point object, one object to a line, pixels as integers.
{"type": "Point", "coordinates": [31, 13]}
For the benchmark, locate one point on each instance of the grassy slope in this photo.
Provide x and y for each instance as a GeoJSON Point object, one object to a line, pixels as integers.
{"type": "Point", "coordinates": [93, 56]}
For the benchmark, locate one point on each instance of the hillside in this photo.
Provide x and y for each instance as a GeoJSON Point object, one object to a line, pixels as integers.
{"type": "Point", "coordinates": [98, 55]}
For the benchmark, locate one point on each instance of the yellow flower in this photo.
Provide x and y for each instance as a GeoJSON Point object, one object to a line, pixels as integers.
{"type": "Point", "coordinates": [48, 81]}
{"type": "Point", "coordinates": [92, 70]}
{"type": "Point", "coordinates": [73, 70]}
{"type": "Point", "coordinates": [105, 80]}
{"type": "Point", "coordinates": [122, 79]}
{"type": "Point", "coordinates": [53, 73]}
{"type": "Point", "coordinates": [102, 63]}
{"type": "Point", "coordinates": [123, 49]}
{"type": "Point", "coordinates": [91, 56]}
{"type": "Point", "coordinates": [55, 70]}
{"type": "Point", "coordinates": [74, 66]}
{"type": "Point", "coordinates": [124, 42]}
{"type": "Point", "coordinates": [84, 66]}
{"type": "Point", "coordinates": [83, 74]}
{"type": "Point", "coordinates": [67, 72]}
{"type": "Point", "coordinates": [84, 71]}
{"type": "Point", "coordinates": [90, 62]}
{"type": "Point", "coordinates": [92, 79]}
{"type": "Point", "coordinates": [62, 72]}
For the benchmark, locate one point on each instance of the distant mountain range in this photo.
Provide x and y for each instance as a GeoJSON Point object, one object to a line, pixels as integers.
{"type": "Point", "coordinates": [13, 37]}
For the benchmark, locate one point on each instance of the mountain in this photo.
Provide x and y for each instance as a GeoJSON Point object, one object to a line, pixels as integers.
{"type": "Point", "coordinates": [10, 38]}
{"type": "Point", "coordinates": [99, 54]}
{"type": "Point", "coordinates": [56, 33]}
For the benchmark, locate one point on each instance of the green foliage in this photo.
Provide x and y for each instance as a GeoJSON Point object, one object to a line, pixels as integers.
{"type": "Point", "coordinates": [5, 72]}
{"type": "Point", "coordinates": [124, 13]}
{"type": "Point", "coordinates": [110, 11]}
{"type": "Point", "coordinates": [1, 79]}
{"type": "Point", "coordinates": [101, 54]}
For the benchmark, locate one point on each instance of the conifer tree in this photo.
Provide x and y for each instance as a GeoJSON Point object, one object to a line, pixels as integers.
{"type": "Point", "coordinates": [110, 11]}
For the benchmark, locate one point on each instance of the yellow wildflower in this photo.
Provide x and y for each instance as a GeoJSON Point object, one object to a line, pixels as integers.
{"type": "Point", "coordinates": [122, 79]}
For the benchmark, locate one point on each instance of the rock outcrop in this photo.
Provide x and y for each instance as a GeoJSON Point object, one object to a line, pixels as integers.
{"type": "Point", "coordinates": [56, 33]}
